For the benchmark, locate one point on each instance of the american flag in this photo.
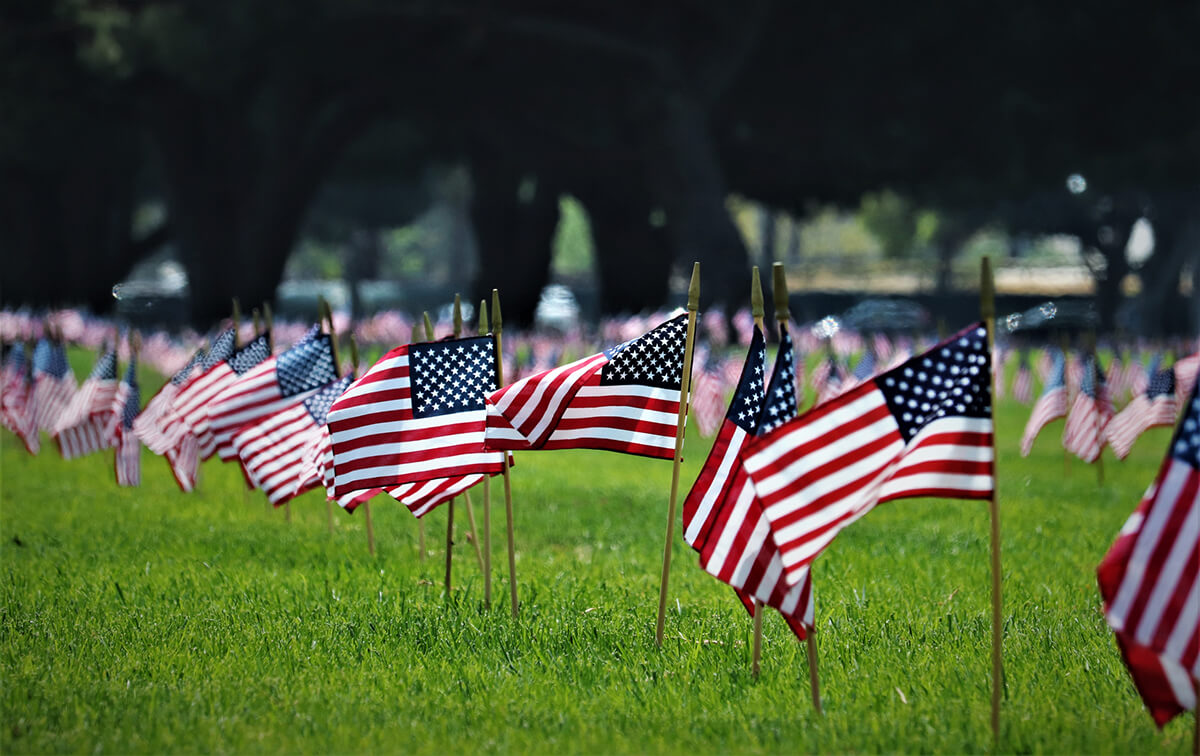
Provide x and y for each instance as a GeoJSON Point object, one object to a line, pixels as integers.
{"type": "Point", "coordinates": [417, 414]}
{"type": "Point", "coordinates": [191, 406]}
{"type": "Point", "coordinates": [171, 427]}
{"type": "Point", "coordinates": [865, 367]}
{"type": "Point", "coordinates": [15, 408]}
{"type": "Point", "coordinates": [149, 425]}
{"type": "Point", "coordinates": [184, 460]}
{"type": "Point", "coordinates": [126, 403]}
{"type": "Point", "coordinates": [53, 384]}
{"type": "Point", "coordinates": [1156, 407]}
{"type": "Point", "coordinates": [1051, 405]}
{"type": "Point", "coordinates": [1083, 434]}
{"type": "Point", "coordinates": [271, 386]}
{"type": "Point", "coordinates": [319, 468]}
{"type": "Point", "coordinates": [624, 399]}
{"type": "Point", "coordinates": [722, 518]}
{"type": "Point", "coordinates": [81, 428]}
{"type": "Point", "coordinates": [1185, 374]}
{"type": "Point", "coordinates": [923, 429]}
{"type": "Point", "coordinates": [1022, 386]}
{"type": "Point", "coordinates": [1115, 378]}
{"type": "Point", "coordinates": [274, 451]}
{"type": "Point", "coordinates": [1150, 580]}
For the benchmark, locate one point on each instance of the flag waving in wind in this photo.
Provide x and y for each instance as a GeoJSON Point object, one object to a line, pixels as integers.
{"type": "Point", "coordinates": [416, 415]}
{"type": "Point", "coordinates": [1150, 580]}
{"type": "Point", "coordinates": [80, 427]}
{"type": "Point", "coordinates": [1051, 405]}
{"type": "Point", "coordinates": [1084, 433]}
{"type": "Point", "coordinates": [722, 518]}
{"type": "Point", "coordinates": [922, 429]}
{"type": "Point", "coordinates": [624, 399]}
{"type": "Point", "coordinates": [1156, 407]}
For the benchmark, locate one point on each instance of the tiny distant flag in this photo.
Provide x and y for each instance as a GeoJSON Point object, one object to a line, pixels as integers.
{"type": "Point", "coordinates": [271, 386]}
{"type": "Point", "coordinates": [274, 450]}
{"type": "Point", "coordinates": [416, 415]}
{"type": "Point", "coordinates": [16, 410]}
{"type": "Point", "coordinates": [827, 380]}
{"type": "Point", "coordinates": [722, 518]}
{"type": "Point", "coordinates": [623, 399]}
{"type": "Point", "coordinates": [1022, 386]}
{"type": "Point", "coordinates": [53, 384]}
{"type": "Point", "coordinates": [1083, 434]}
{"type": "Point", "coordinates": [1157, 407]}
{"type": "Point", "coordinates": [1150, 580]}
{"type": "Point", "coordinates": [150, 425]}
{"type": "Point", "coordinates": [126, 403]}
{"type": "Point", "coordinates": [922, 429]}
{"type": "Point", "coordinates": [708, 404]}
{"type": "Point", "coordinates": [1051, 405]}
{"type": "Point", "coordinates": [81, 426]}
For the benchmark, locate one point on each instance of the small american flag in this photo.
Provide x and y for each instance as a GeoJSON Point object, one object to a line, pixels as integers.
{"type": "Point", "coordinates": [1051, 405]}
{"type": "Point", "coordinates": [126, 404]}
{"type": "Point", "coordinates": [53, 384]}
{"type": "Point", "coordinates": [624, 399]}
{"type": "Point", "coordinates": [1185, 374]}
{"type": "Point", "coordinates": [923, 429]}
{"type": "Point", "coordinates": [1154, 408]}
{"type": "Point", "coordinates": [15, 408]}
{"type": "Point", "coordinates": [708, 402]}
{"type": "Point", "coordinates": [193, 402]}
{"type": "Point", "coordinates": [722, 518]}
{"type": "Point", "coordinates": [151, 424]}
{"type": "Point", "coordinates": [81, 426]}
{"type": "Point", "coordinates": [1022, 386]}
{"type": "Point", "coordinates": [274, 450]}
{"type": "Point", "coordinates": [1150, 580]}
{"type": "Point", "coordinates": [271, 386]}
{"type": "Point", "coordinates": [827, 380]}
{"type": "Point", "coordinates": [1083, 434]}
{"type": "Point", "coordinates": [416, 415]}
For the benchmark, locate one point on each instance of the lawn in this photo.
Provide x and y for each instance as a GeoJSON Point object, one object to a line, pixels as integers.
{"type": "Point", "coordinates": [147, 620]}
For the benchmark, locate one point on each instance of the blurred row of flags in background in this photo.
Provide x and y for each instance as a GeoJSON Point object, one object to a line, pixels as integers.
{"type": "Point", "coordinates": [890, 418]}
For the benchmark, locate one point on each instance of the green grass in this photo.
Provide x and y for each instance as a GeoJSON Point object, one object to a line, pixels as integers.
{"type": "Point", "coordinates": [146, 620]}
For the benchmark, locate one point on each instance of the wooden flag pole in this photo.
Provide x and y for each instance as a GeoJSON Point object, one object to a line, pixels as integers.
{"type": "Point", "coordinates": [414, 339]}
{"type": "Point", "coordinates": [487, 494]}
{"type": "Point", "coordinates": [431, 336]}
{"type": "Point", "coordinates": [782, 315]}
{"type": "Point", "coordinates": [458, 330]}
{"type": "Point", "coordinates": [237, 322]}
{"type": "Point", "coordinates": [758, 310]}
{"type": "Point", "coordinates": [498, 330]}
{"type": "Point", "coordinates": [693, 305]}
{"type": "Point", "coordinates": [334, 355]}
{"type": "Point", "coordinates": [987, 308]}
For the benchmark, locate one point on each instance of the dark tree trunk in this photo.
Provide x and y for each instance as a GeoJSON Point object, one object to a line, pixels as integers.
{"type": "Point", "coordinates": [1161, 308]}
{"type": "Point", "coordinates": [633, 257]}
{"type": "Point", "coordinates": [686, 177]}
{"type": "Point", "coordinates": [515, 234]}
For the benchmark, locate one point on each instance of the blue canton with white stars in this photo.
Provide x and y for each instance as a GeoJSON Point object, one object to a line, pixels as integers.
{"type": "Point", "coordinates": [105, 368]}
{"type": "Point", "coordinates": [1092, 380]}
{"type": "Point", "coordinates": [781, 393]}
{"type": "Point", "coordinates": [952, 379]}
{"type": "Point", "coordinates": [1163, 382]}
{"type": "Point", "coordinates": [50, 358]}
{"type": "Point", "coordinates": [133, 401]}
{"type": "Point", "coordinates": [652, 359]}
{"type": "Point", "coordinates": [746, 406]}
{"type": "Point", "coordinates": [1187, 443]}
{"type": "Point", "coordinates": [319, 403]}
{"type": "Point", "coordinates": [250, 355]}
{"type": "Point", "coordinates": [451, 376]}
{"type": "Point", "coordinates": [220, 350]}
{"type": "Point", "coordinates": [306, 366]}
{"type": "Point", "coordinates": [1058, 373]}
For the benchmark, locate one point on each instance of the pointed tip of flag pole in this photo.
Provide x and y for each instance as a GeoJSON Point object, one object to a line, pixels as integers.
{"type": "Point", "coordinates": [498, 322]}
{"type": "Point", "coordinates": [779, 278]}
{"type": "Point", "coordinates": [428, 327]}
{"type": "Point", "coordinates": [458, 320]}
{"type": "Point", "coordinates": [416, 333]}
{"type": "Point", "coordinates": [256, 318]}
{"type": "Point", "coordinates": [757, 308]}
{"type": "Point", "coordinates": [483, 318]}
{"type": "Point", "coordinates": [693, 289]}
{"type": "Point", "coordinates": [987, 290]}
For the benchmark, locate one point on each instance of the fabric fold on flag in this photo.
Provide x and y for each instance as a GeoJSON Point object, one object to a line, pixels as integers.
{"type": "Point", "coordinates": [1157, 407]}
{"type": "Point", "coordinates": [722, 518]}
{"type": "Point", "coordinates": [1150, 579]}
{"type": "Point", "coordinates": [417, 414]}
{"type": "Point", "coordinates": [623, 399]}
{"type": "Point", "coordinates": [53, 384]}
{"type": "Point", "coordinates": [921, 429]}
